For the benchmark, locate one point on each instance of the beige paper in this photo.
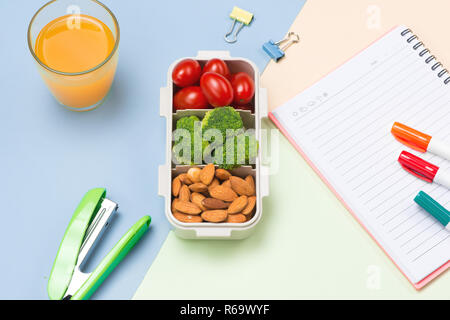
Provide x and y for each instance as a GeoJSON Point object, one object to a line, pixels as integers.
{"type": "Point", "coordinates": [333, 31]}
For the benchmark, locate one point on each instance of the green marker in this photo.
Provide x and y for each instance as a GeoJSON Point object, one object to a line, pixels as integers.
{"type": "Point", "coordinates": [433, 208]}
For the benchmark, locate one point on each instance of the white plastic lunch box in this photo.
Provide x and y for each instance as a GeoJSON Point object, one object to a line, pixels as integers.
{"type": "Point", "coordinates": [169, 170]}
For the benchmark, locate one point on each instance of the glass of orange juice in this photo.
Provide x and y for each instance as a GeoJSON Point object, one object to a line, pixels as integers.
{"type": "Point", "coordinates": [75, 44]}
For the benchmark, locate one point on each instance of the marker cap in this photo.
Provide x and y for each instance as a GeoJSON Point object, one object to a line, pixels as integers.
{"type": "Point", "coordinates": [417, 166]}
{"type": "Point", "coordinates": [433, 207]}
{"type": "Point", "coordinates": [412, 138]}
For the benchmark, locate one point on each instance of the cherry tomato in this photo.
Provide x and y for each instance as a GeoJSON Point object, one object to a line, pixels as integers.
{"type": "Point", "coordinates": [217, 89]}
{"type": "Point", "coordinates": [217, 66]}
{"type": "Point", "coordinates": [190, 98]}
{"type": "Point", "coordinates": [243, 88]}
{"type": "Point", "coordinates": [186, 73]}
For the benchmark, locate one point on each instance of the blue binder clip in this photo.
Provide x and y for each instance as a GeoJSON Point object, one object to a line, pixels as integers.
{"type": "Point", "coordinates": [273, 48]}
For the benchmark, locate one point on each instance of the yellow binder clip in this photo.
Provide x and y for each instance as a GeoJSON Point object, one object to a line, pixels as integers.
{"type": "Point", "coordinates": [244, 17]}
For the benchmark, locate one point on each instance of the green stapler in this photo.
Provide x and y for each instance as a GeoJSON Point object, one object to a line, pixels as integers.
{"type": "Point", "coordinates": [67, 281]}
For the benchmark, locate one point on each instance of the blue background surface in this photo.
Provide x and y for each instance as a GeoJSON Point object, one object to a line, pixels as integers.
{"type": "Point", "coordinates": [50, 156]}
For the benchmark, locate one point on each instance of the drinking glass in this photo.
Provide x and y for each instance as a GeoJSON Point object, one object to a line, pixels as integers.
{"type": "Point", "coordinates": [87, 89]}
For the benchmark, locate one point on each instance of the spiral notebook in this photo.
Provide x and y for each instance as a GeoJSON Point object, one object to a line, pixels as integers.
{"type": "Point", "coordinates": [341, 125]}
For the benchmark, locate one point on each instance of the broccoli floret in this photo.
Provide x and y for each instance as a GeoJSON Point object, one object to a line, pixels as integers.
{"type": "Point", "coordinates": [245, 150]}
{"type": "Point", "coordinates": [242, 149]}
{"type": "Point", "coordinates": [187, 123]}
{"type": "Point", "coordinates": [222, 118]}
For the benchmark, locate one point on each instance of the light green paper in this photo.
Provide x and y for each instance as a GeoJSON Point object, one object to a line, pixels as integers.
{"type": "Point", "coordinates": [307, 245]}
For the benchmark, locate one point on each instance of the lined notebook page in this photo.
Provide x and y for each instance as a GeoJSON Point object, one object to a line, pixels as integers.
{"type": "Point", "coordinates": [343, 123]}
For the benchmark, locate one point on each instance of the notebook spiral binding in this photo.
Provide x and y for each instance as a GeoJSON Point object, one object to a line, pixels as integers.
{"type": "Point", "coordinates": [423, 52]}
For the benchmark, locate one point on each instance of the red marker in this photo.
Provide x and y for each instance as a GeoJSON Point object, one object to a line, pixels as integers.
{"type": "Point", "coordinates": [420, 141]}
{"type": "Point", "coordinates": [423, 169]}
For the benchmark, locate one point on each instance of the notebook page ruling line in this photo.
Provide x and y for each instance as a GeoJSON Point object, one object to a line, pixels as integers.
{"type": "Point", "coordinates": [281, 119]}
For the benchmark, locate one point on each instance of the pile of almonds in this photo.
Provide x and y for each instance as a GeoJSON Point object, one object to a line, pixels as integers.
{"type": "Point", "coordinates": [212, 195]}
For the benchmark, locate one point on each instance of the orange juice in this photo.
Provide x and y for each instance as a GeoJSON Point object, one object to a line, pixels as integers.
{"type": "Point", "coordinates": [72, 46]}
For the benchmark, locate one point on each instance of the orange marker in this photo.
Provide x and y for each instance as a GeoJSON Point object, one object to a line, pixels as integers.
{"type": "Point", "coordinates": [420, 141]}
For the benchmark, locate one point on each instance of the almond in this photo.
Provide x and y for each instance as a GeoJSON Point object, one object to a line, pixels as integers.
{"type": "Point", "coordinates": [236, 218]}
{"type": "Point", "coordinates": [215, 215]}
{"type": "Point", "coordinates": [237, 205]}
{"type": "Point", "coordinates": [176, 185]}
{"type": "Point", "coordinates": [223, 193]}
{"type": "Point", "coordinates": [197, 199]}
{"type": "Point", "coordinates": [185, 193]}
{"type": "Point", "coordinates": [214, 183]}
{"type": "Point", "coordinates": [184, 179]}
{"type": "Point", "coordinates": [240, 186]}
{"type": "Point", "coordinates": [212, 203]}
{"type": "Point", "coordinates": [227, 184]}
{"type": "Point", "coordinates": [194, 174]}
{"type": "Point", "coordinates": [187, 207]}
{"type": "Point", "coordinates": [223, 174]}
{"type": "Point", "coordinates": [250, 205]}
{"type": "Point", "coordinates": [198, 187]}
{"type": "Point", "coordinates": [187, 217]}
{"type": "Point", "coordinates": [207, 174]}
{"type": "Point", "coordinates": [251, 182]}
{"type": "Point", "coordinates": [173, 204]}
